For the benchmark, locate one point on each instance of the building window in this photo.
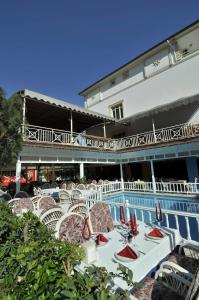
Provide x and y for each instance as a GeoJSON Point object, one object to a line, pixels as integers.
{"type": "Point", "coordinates": [117, 111]}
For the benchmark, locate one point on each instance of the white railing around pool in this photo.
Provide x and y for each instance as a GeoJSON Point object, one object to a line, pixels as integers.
{"type": "Point", "coordinates": [38, 134]}
{"type": "Point", "coordinates": [147, 215]}
{"type": "Point", "coordinates": [160, 187]}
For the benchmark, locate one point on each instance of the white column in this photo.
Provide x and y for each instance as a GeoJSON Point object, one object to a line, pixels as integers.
{"type": "Point", "coordinates": [153, 125]}
{"type": "Point", "coordinates": [81, 169]}
{"type": "Point", "coordinates": [18, 174]}
{"type": "Point", "coordinates": [104, 128]}
{"type": "Point", "coordinates": [142, 215]}
{"type": "Point", "coordinates": [167, 220]}
{"type": "Point", "coordinates": [24, 116]}
{"type": "Point", "coordinates": [153, 176]}
{"type": "Point", "coordinates": [115, 214]}
{"type": "Point", "coordinates": [188, 228]}
{"type": "Point", "coordinates": [197, 220]}
{"type": "Point", "coordinates": [71, 125]}
{"type": "Point", "coordinates": [177, 223]}
{"type": "Point", "coordinates": [127, 210]}
{"type": "Point", "coordinates": [121, 176]}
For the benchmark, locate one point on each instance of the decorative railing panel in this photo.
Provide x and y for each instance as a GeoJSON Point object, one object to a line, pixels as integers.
{"type": "Point", "coordinates": [48, 135]}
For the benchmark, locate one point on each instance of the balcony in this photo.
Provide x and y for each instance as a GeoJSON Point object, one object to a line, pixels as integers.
{"type": "Point", "coordinates": [173, 134]}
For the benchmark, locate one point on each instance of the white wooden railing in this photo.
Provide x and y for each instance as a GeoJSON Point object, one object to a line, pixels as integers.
{"type": "Point", "coordinates": [48, 135]}
{"type": "Point", "coordinates": [147, 215]}
{"type": "Point", "coordinates": [177, 132]}
{"type": "Point", "coordinates": [160, 187]}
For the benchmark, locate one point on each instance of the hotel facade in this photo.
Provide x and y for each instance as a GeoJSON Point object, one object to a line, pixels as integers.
{"type": "Point", "coordinates": [140, 122]}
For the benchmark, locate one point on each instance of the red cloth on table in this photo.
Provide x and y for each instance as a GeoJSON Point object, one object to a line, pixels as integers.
{"type": "Point", "coordinates": [101, 239]}
{"type": "Point", "coordinates": [128, 252]}
{"type": "Point", "coordinates": [156, 233]}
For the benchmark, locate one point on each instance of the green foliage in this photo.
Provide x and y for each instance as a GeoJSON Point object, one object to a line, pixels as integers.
{"type": "Point", "coordinates": [35, 265]}
{"type": "Point", "coordinates": [10, 123]}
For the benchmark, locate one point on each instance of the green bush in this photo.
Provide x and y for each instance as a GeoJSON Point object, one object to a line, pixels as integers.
{"type": "Point", "coordinates": [35, 265]}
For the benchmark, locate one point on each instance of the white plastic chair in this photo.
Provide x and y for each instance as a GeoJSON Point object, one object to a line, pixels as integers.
{"type": "Point", "coordinates": [70, 227]}
{"type": "Point", "coordinates": [79, 208]}
{"type": "Point", "coordinates": [75, 195]}
{"type": "Point", "coordinates": [45, 202]}
{"type": "Point", "coordinates": [51, 217]}
{"type": "Point", "coordinates": [64, 197]}
{"type": "Point", "coordinates": [91, 187]}
{"type": "Point", "coordinates": [81, 186]}
{"type": "Point", "coordinates": [35, 200]}
{"type": "Point", "coordinates": [179, 280]}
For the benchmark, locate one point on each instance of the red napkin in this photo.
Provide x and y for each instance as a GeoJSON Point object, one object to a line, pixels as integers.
{"type": "Point", "coordinates": [101, 239]}
{"type": "Point", "coordinates": [156, 233]}
{"type": "Point", "coordinates": [128, 252]}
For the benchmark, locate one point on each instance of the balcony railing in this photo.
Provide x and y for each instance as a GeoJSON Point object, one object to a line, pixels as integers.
{"type": "Point", "coordinates": [160, 187]}
{"type": "Point", "coordinates": [54, 136]}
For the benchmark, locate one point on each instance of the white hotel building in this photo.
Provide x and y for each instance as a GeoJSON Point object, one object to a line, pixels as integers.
{"type": "Point", "coordinates": [141, 120]}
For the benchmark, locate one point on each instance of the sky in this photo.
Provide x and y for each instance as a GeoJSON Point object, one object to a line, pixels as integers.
{"type": "Point", "coordinates": [58, 48]}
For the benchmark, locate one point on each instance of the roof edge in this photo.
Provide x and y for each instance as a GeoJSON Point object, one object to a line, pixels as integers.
{"type": "Point", "coordinates": [139, 56]}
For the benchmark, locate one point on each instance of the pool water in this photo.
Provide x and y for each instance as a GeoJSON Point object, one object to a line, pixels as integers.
{"type": "Point", "coordinates": [174, 203]}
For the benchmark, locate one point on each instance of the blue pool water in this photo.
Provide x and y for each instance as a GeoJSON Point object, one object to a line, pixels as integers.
{"type": "Point", "coordinates": [183, 204]}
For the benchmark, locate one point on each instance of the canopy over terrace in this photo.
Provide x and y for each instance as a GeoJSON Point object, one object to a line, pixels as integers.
{"type": "Point", "coordinates": [41, 110]}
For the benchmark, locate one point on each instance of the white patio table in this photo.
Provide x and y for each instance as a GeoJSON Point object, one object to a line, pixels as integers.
{"type": "Point", "coordinates": [50, 191]}
{"type": "Point", "coordinates": [151, 252]}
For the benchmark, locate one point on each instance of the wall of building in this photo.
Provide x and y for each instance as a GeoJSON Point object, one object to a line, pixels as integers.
{"type": "Point", "coordinates": [174, 83]}
{"type": "Point", "coordinates": [164, 75]}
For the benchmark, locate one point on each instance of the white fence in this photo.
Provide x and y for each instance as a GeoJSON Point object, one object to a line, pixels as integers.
{"type": "Point", "coordinates": [147, 215]}
{"type": "Point", "coordinates": [48, 135]}
{"type": "Point", "coordinates": [160, 187]}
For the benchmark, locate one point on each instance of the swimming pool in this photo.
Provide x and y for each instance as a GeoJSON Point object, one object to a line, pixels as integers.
{"type": "Point", "coordinates": [169, 203]}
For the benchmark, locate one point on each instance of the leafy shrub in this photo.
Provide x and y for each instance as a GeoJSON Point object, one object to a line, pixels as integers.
{"type": "Point", "coordinates": [35, 265]}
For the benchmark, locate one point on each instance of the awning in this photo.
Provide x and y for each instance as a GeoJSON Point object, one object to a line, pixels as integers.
{"type": "Point", "coordinates": [162, 108]}
{"type": "Point", "coordinates": [45, 111]}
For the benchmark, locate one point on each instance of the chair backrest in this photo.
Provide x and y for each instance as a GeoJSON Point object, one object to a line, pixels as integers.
{"type": "Point", "coordinates": [79, 208]}
{"type": "Point", "coordinates": [100, 182]}
{"type": "Point", "coordinates": [106, 181]}
{"type": "Point", "coordinates": [11, 202]}
{"type": "Point", "coordinates": [81, 186]}
{"type": "Point", "coordinates": [64, 197]}
{"type": "Point", "coordinates": [23, 205]}
{"type": "Point", "coordinates": [193, 292]}
{"type": "Point", "coordinates": [51, 217]}
{"type": "Point", "coordinates": [91, 187]}
{"type": "Point", "coordinates": [75, 195]}
{"type": "Point", "coordinates": [70, 227]}
{"type": "Point", "coordinates": [94, 182]}
{"type": "Point", "coordinates": [100, 217]}
{"type": "Point", "coordinates": [35, 199]}
{"type": "Point", "coordinates": [45, 202]}
{"type": "Point", "coordinates": [21, 194]}
{"type": "Point", "coordinates": [37, 191]}
{"type": "Point", "coordinates": [70, 186]}
{"type": "Point", "coordinates": [63, 186]}
{"type": "Point", "coordinates": [190, 250]}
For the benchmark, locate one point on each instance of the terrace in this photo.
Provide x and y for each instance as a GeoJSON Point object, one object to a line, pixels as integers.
{"type": "Point", "coordinates": [102, 205]}
{"type": "Point", "coordinates": [173, 134]}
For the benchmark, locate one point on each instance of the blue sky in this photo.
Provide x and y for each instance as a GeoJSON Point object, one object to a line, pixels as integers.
{"type": "Point", "coordinates": [60, 47]}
